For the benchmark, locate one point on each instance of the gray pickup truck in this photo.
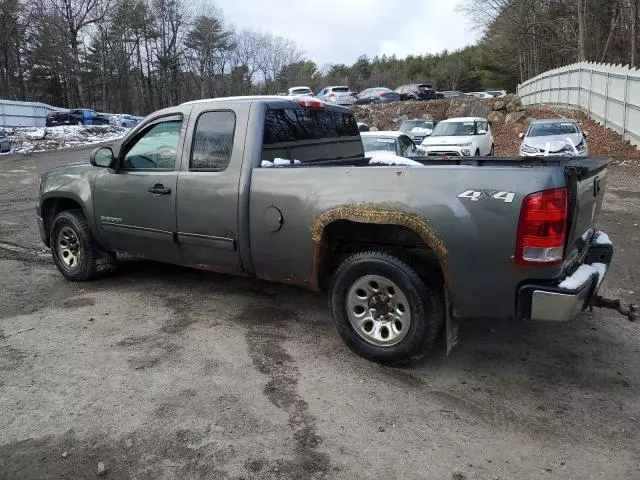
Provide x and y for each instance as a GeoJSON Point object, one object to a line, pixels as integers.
{"type": "Point", "coordinates": [278, 188]}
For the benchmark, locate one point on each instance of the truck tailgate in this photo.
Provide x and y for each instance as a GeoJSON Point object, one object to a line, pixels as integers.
{"type": "Point", "coordinates": [586, 179]}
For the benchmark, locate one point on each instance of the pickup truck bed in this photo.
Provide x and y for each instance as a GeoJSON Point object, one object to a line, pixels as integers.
{"type": "Point", "coordinates": [189, 185]}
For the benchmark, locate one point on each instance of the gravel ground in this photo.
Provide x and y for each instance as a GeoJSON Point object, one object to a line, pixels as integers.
{"type": "Point", "coordinates": [160, 372]}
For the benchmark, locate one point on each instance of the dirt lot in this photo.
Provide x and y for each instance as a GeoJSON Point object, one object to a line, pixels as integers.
{"type": "Point", "coordinates": [165, 373]}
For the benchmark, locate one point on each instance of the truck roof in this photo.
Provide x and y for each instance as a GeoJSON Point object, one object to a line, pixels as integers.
{"type": "Point", "coordinates": [242, 98]}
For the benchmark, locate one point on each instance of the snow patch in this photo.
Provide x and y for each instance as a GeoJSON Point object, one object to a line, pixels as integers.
{"type": "Point", "coordinates": [387, 158]}
{"type": "Point", "coordinates": [421, 130]}
{"type": "Point", "coordinates": [278, 162]}
{"type": "Point", "coordinates": [582, 275]}
{"type": "Point", "coordinates": [30, 139]}
{"type": "Point", "coordinates": [603, 239]}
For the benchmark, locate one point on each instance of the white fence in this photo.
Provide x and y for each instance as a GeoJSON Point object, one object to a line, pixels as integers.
{"type": "Point", "coordinates": [24, 114]}
{"type": "Point", "coordinates": [610, 94]}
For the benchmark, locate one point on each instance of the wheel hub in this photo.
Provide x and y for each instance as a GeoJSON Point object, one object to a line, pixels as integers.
{"type": "Point", "coordinates": [378, 310]}
{"type": "Point", "coordinates": [69, 248]}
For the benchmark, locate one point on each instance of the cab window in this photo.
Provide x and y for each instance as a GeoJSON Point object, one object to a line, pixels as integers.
{"type": "Point", "coordinates": [156, 148]}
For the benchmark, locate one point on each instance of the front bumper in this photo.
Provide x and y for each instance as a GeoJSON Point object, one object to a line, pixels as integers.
{"type": "Point", "coordinates": [562, 301]}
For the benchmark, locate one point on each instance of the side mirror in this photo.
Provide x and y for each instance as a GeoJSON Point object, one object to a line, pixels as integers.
{"type": "Point", "coordinates": [521, 135]}
{"type": "Point", "coordinates": [102, 157]}
{"type": "Point", "coordinates": [585, 134]}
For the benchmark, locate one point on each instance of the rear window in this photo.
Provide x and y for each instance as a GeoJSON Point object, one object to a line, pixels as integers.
{"type": "Point", "coordinates": [310, 134]}
{"type": "Point", "coordinates": [213, 141]}
{"type": "Point", "coordinates": [340, 89]}
{"type": "Point", "coordinates": [297, 91]}
{"type": "Point", "coordinates": [425, 87]}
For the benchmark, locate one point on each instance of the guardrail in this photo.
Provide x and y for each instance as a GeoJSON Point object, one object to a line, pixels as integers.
{"type": "Point", "coordinates": [610, 94]}
{"type": "Point", "coordinates": [24, 114]}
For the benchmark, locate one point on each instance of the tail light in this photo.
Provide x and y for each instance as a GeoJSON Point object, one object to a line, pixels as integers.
{"type": "Point", "coordinates": [542, 228]}
{"type": "Point", "coordinates": [308, 103]}
{"type": "Point", "coordinates": [331, 95]}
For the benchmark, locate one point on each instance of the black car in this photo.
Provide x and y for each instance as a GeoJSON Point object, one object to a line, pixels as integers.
{"type": "Point", "coordinates": [80, 116]}
{"type": "Point", "coordinates": [417, 91]}
{"type": "Point", "coordinates": [376, 95]}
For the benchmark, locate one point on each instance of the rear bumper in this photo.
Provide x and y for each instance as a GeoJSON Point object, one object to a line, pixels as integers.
{"type": "Point", "coordinates": [562, 301]}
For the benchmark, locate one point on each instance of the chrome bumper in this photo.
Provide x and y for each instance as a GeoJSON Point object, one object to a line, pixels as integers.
{"type": "Point", "coordinates": [558, 303]}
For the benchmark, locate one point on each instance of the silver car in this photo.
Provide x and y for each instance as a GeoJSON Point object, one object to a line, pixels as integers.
{"type": "Point", "coordinates": [556, 137]}
{"type": "Point", "coordinates": [5, 145]}
{"type": "Point", "coordinates": [340, 95]}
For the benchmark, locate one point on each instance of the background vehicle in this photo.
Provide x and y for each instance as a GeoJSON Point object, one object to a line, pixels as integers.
{"type": "Point", "coordinates": [215, 184]}
{"type": "Point", "coordinates": [126, 121]}
{"type": "Point", "coordinates": [418, 129]}
{"type": "Point", "coordinates": [480, 95]}
{"type": "Point", "coordinates": [397, 143]}
{"type": "Point", "coordinates": [5, 145]}
{"type": "Point", "coordinates": [417, 92]}
{"type": "Point", "coordinates": [300, 92]}
{"type": "Point", "coordinates": [376, 95]}
{"type": "Point", "coordinates": [83, 116]}
{"type": "Point", "coordinates": [463, 136]}
{"type": "Point", "coordinates": [553, 137]}
{"type": "Point", "coordinates": [341, 95]}
{"type": "Point", "coordinates": [497, 93]}
{"type": "Point", "coordinates": [454, 94]}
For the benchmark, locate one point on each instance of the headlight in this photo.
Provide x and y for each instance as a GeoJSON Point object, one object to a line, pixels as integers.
{"type": "Point", "coordinates": [527, 149]}
{"type": "Point", "coordinates": [465, 151]}
{"type": "Point", "coordinates": [468, 144]}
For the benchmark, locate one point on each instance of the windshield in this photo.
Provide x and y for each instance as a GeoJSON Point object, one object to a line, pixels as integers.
{"type": "Point", "coordinates": [556, 128]}
{"type": "Point", "coordinates": [412, 125]}
{"type": "Point", "coordinates": [371, 144]}
{"type": "Point", "coordinates": [454, 129]}
{"type": "Point", "coordinates": [298, 91]}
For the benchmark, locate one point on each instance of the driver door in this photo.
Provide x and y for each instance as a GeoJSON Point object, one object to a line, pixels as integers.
{"type": "Point", "coordinates": [135, 205]}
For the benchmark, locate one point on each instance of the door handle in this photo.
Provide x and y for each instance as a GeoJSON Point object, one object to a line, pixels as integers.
{"type": "Point", "coordinates": [159, 189]}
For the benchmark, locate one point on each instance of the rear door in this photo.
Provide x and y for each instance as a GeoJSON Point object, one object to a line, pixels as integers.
{"type": "Point", "coordinates": [208, 186]}
{"type": "Point", "coordinates": [135, 206]}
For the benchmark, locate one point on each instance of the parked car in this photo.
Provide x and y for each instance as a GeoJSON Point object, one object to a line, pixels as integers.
{"type": "Point", "coordinates": [126, 121]}
{"type": "Point", "coordinates": [82, 116]}
{"type": "Point", "coordinates": [554, 137]}
{"type": "Point", "coordinates": [418, 129]}
{"type": "Point", "coordinates": [376, 95]}
{"type": "Point", "coordinates": [397, 143]}
{"type": "Point", "coordinates": [480, 95]}
{"type": "Point", "coordinates": [279, 189]}
{"type": "Point", "coordinates": [454, 94]}
{"type": "Point", "coordinates": [341, 95]}
{"type": "Point", "coordinates": [5, 144]}
{"type": "Point", "coordinates": [497, 93]}
{"type": "Point", "coordinates": [460, 137]}
{"type": "Point", "coordinates": [300, 92]}
{"type": "Point", "coordinates": [417, 92]}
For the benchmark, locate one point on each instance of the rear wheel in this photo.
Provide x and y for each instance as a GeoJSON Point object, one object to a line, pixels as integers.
{"type": "Point", "coordinates": [74, 250]}
{"type": "Point", "coordinates": [477, 153]}
{"type": "Point", "coordinates": [383, 310]}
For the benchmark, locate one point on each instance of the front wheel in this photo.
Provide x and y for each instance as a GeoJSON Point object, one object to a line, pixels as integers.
{"type": "Point", "coordinates": [74, 250]}
{"type": "Point", "coordinates": [383, 310]}
{"type": "Point", "coordinates": [492, 152]}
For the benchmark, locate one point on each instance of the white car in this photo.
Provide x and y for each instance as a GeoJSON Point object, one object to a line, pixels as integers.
{"type": "Point", "coordinates": [389, 143]}
{"type": "Point", "coordinates": [465, 136]}
{"type": "Point", "coordinates": [341, 95]}
{"type": "Point", "coordinates": [480, 94]}
{"type": "Point", "coordinates": [556, 137]}
{"type": "Point", "coordinates": [497, 93]}
{"type": "Point", "coordinates": [300, 92]}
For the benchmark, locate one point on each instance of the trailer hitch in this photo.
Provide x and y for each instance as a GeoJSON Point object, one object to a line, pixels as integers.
{"type": "Point", "coordinates": [630, 311]}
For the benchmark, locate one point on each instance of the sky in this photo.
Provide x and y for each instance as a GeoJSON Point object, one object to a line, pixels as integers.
{"type": "Point", "coordinates": [339, 31]}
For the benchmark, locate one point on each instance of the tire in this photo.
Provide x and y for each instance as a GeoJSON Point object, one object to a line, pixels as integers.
{"type": "Point", "coordinates": [477, 153]}
{"type": "Point", "coordinates": [492, 153]}
{"type": "Point", "coordinates": [420, 319]}
{"type": "Point", "coordinates": [74, 249]}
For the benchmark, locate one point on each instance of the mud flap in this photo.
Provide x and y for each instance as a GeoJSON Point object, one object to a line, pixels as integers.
{"type": "Point", "coordinates": [451, 325]}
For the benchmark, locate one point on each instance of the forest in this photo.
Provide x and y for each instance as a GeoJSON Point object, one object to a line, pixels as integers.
{"type": "Point", "coordinates": [136, 56]}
